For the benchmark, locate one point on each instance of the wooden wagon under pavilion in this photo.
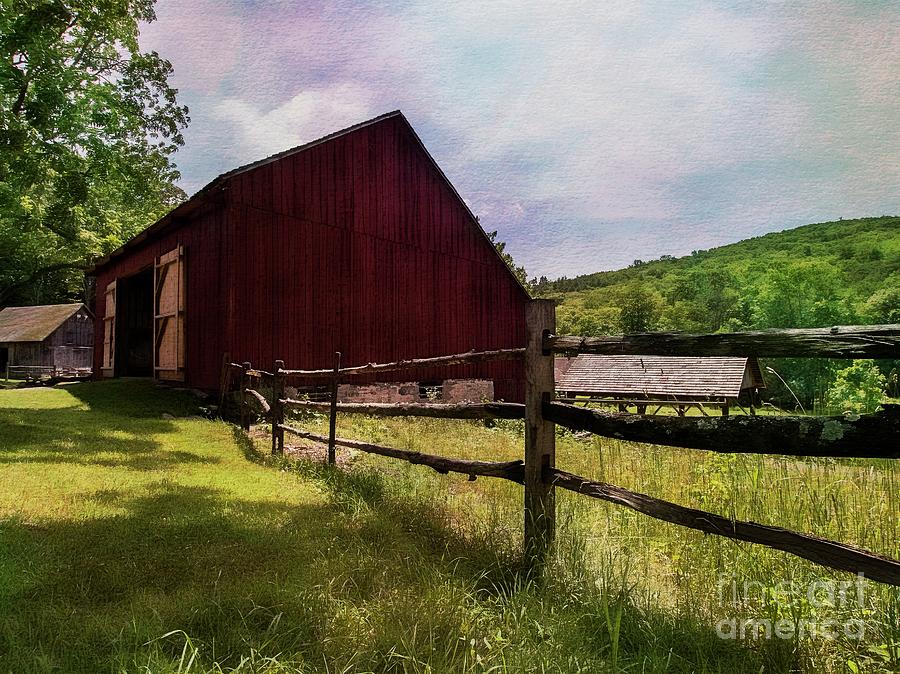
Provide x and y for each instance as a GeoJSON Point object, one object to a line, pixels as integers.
{"type": "Point", "coordinates": [647, 382]}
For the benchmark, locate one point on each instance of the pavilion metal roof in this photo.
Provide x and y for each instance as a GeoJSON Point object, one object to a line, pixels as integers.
{"type": "Point", "coordinates": [660, 375]}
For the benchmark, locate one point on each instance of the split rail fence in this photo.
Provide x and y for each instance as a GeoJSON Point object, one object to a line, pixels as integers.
{"type": "Point", "coordinates": [866, 436]}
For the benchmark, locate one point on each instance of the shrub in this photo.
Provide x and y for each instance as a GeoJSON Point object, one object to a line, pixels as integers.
{"type": "Point", "coordinates": [858, 388]}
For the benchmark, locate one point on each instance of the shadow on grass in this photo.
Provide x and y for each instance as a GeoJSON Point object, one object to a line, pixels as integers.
{"type": "Point", "coordinates": [602, 621]}
{"type": "Point", "coordinates": [241, 575]}
{"type": "Point", "coordinates": [182, 558]}
{"type": "Point", "coordinates": [369, 568]}
{"type": "Point", "coordinates": [113, 425]}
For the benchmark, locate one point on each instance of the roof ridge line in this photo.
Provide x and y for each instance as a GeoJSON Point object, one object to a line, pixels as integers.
{"type": "Point", "coordinates": [298, 148]}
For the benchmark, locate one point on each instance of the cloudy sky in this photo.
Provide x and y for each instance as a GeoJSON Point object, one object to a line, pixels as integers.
{"type": "Point", "coordinates": [588, 133]}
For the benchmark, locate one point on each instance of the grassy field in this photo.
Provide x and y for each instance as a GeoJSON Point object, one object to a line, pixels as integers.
{"type": "Point", "coordinates": [135, 537]}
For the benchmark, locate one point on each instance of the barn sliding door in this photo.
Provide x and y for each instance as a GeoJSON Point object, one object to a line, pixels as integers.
{"type": "Point", "coordinates": [168, 315]}
{"type": "Point", "coordinates": [109, 331]}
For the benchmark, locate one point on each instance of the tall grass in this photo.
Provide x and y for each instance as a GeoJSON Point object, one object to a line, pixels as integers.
{"type": "Point", "coordinates": [695, 578]}
{"type": "Point", "coordinates": [130, 542]}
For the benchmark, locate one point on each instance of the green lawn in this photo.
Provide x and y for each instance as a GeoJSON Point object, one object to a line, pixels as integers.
{"type": "Point", "coordinates": [131, 541]}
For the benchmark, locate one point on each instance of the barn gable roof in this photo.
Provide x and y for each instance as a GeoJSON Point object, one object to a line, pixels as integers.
{"type": "Point", "coordinates": [177, 215]}
{"type": "Point", "coordinates": [34, 324]}
{"type": "Point", "coordinates": [661, 375]}
{"type": "Point", "coordinates": [306, 146]}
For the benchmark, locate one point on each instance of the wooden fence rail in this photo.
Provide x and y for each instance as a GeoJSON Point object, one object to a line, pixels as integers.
{"type": "Point", "coordinates": [433, 410]}
{"type": "Point", "coordinates": [260, 400]}
{"type": "Point", "coordinates": [510, 470]}
{"type": "Point", "coordinates": [868, 436]}
{"type": "Point", "coordinates": [251, 372]}
{"type": "Point", "coordinates": [850, 341]}
{"type": "Point", "coordinates": [467, 358]}
{"type": "Point", "coordinates": [819, 550]}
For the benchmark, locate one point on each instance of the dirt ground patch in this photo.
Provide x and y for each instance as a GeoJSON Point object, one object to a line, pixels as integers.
{"type": "Point", "coordinates": [305, 450]}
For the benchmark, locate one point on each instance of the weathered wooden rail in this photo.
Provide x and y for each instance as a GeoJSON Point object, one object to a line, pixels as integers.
{"type": "Point", "coordinates": [848, 341]}
{"type": "Point", "coordinates": [433, 410]}
{"type": "Point", "coordinates": [259, 399]}
{"type": "Point", "coordinates": [819, 550]}
{"type": "Point", "coordinates": [469, 358]}
{"type": "Point", "coordinates": [870, 436]}
{"type": "Point", "coordinates": [510, 470]}
{"type": "Point", "coordinates": [867, 436]}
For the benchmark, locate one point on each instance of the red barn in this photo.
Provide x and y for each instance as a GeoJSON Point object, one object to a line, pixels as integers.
{"type": "Point", "coordinates": [356, 242]}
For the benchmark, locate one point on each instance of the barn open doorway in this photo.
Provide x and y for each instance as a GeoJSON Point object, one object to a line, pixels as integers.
{"type": "Point", "coordinates": [134, 325]}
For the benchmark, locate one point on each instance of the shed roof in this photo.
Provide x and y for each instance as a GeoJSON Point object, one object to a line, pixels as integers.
{"type": "Point", "coordinates": [661, 375]}
{"type": "Point", "coordinates": [34, 324]}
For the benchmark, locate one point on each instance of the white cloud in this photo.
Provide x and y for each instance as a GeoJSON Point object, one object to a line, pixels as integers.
{"type": "Point", "coordinates": [255, 134]}
{"type": "Point", "coordinates": [633, 128]}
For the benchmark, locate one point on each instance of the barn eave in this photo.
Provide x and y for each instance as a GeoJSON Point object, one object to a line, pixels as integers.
{"type": "Point", "coordinates": [183, 212]}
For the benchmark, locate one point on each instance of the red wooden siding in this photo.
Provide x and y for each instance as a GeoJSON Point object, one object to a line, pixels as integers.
{"type": "Point", "coordinates": [356, 244]}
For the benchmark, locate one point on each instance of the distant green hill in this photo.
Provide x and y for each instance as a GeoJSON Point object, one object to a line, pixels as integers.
{"type": "Point", "coordinates": [831, 273]}
{"type": "Point", "coordinates": [812, 276]}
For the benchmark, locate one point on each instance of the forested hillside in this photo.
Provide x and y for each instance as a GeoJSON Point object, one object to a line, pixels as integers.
{"type": "Point", "coordinates": [818, 275]}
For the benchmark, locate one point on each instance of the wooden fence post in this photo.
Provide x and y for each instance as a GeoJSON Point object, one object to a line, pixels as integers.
{"type": "Point", "coordinates": [245, 418]}
{"type": "Point", "coordinates": [540, 438]}
{"type": "Point", "coordinates": [332, 421]}
{"type": "Point", "coordinates": [224, 381]}
{"type": "Point", "coordinates": [277, 412]}
{"type": "Point", "coordinates": [282, 379]}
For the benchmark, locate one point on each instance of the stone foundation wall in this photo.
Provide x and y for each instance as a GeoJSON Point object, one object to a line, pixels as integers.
{"type": "Point", "coordinates": [467, 390]}
{"type": "Point", "coordinates": [395, 392]}
{"type": "Point", "coordinates": [450, 391]}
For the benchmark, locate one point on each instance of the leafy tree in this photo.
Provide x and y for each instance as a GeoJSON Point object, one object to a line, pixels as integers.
{"type": "Point", "coordinates": [803, 294]}
{"type": "Point", "coordinates": [517, 270]}
{"type": "Point", "coordinates": [740, 315]}
{"type": "Point", "coordinates": [702, 299]}
{"type": "Point", "coordinates": [639, 308]}
{"type": "Point", "coordinates": [683, 316]}
{"type": "Point", "coordinates": [588, 322]}
{"type": "Point", "coordinates": [88, 125]}
{"type": "Point", "coordinates": [808, 378]}
{"type": "Point", "coordinates": [858, 388]}
{"type": "Point", "coordinates": [883, 306]}
{"type": "Point", "coordinates": [681, 287]}
{"type": "Point", "coordinates": [717, 296]}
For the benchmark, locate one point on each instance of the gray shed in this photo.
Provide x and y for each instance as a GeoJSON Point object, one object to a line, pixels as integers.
{"type": "Point", "coordinates": [49, 339]}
